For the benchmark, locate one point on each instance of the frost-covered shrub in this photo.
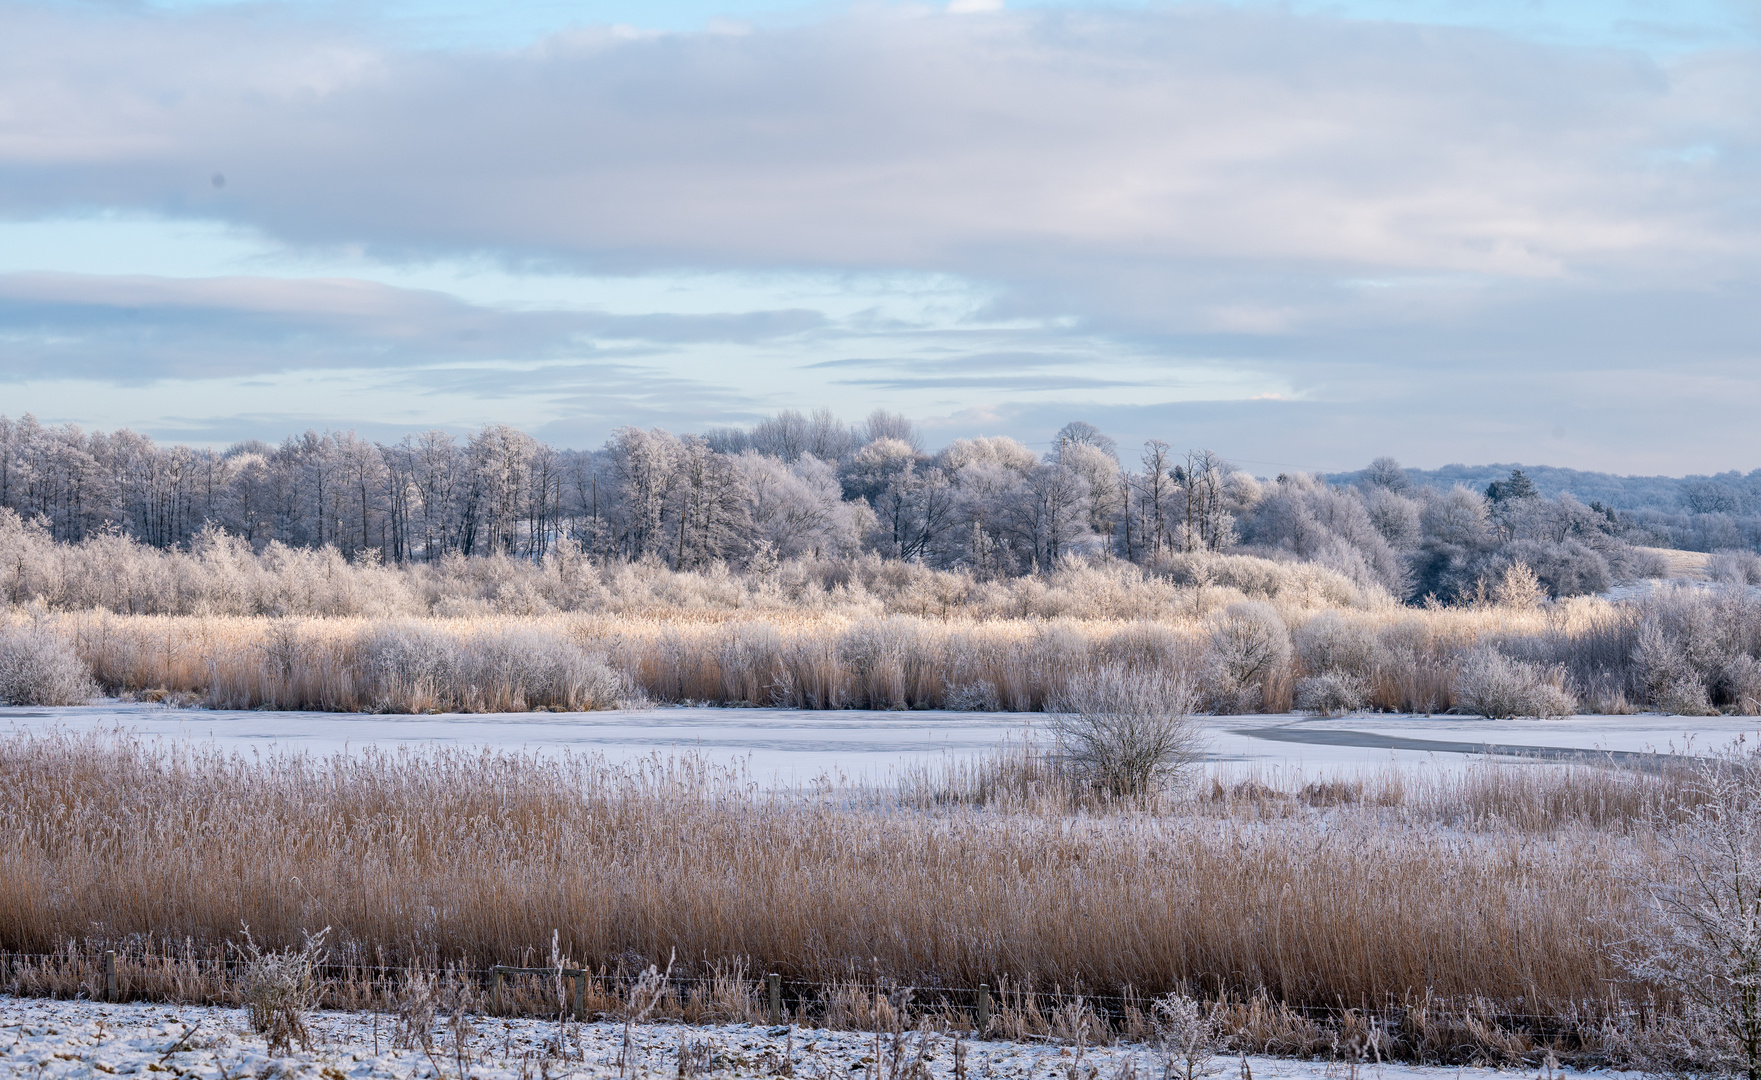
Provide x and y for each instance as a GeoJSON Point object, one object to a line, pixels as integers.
{"type": "Point", "coordinates": [415, 667]}
{"type": "Point", "coordinates": [407, 668]}
{"type": "Point", "coordinates": [1328, 643]}
{"type": "Point", "coordinates": [525, 669]}
{"type": "Point", "coordinates": [1249, 645]}
{"type": "Point", "coordinates": [1189, 1036]}
{"type": "Point", "coordinates": [1685, 698]}
{"type": "Point", "coordinates": [1331, 693]}
{"type": "Point", "coordinates": [1734, 567]}
{"type": "Point", "coordinates": [1498, 687]}
{"type": "Point", "coordinates": [280, 989]}
{"type": "Point", "coordinates": [1125, 733]}
{"type": "Point", "coordinates": [972, 697]}
{"type": "Point", "coordinates": [1668, 676]}
{"type": "Point", "coordinates": [1739, 683]}
{"type": "Point", "coordinates": [1700, 941]}
{"type": "Point", "coordinates": [426, 997]}
{"type": "Point", "coordinates": [1519, 587]}
{"type": "Point", "coordinates": [1565, 568]}
{"type": "Point", "coordinates": [37, 667]}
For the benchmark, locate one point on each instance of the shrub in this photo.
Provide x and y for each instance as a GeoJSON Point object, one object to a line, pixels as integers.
{"type": "Point", "coordinates": [280, 988]}
{"type": "Point", "coordinates": [417, 667]}
{"type": "Point", "coordinates": [1739, 683]}
{"type": "Point", "coordinates": [1497, 687]}
{"type": "Point", "coordinates": [1564, 568]}
{"type": "Point", "coordinates": [1703, 942]}
{"type": "Point", "coordinates": [1734, 567]}
{"type": "Point", "coordinates": [1672, 683]}
{"type": "Point", "coordinates": [1249, 645]}
{"type": "Point", "coordinates": [1519, 587]}
{"type": "Point", "coordinates": [39, 668]}
{"type": "Point", "coordinates": [1126, 734]}
{"type": "Point", "coordinates": [1189, 1037]}
{"type": "Point", "coordinates": [1331, 693]}
{"type": "Point", "coordinates": [417, 1007]}
{"type": "Point", "coordinates": [1687, 697]}
{"type": "Point", "coordinates": [1328, 644]}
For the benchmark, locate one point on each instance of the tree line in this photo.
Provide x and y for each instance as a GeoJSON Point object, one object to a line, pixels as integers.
{"type": "Point", "coordinates": [805, 485]}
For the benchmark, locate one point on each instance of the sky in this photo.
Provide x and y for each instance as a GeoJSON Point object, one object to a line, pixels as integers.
{"type": "Point", "coordinates": [1302, 234]}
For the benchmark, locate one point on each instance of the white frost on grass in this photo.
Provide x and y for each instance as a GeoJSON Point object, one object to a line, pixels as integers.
{"type": "Point", "coordinates": [45, 1038]}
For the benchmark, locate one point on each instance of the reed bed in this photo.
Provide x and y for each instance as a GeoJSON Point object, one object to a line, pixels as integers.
{"type": "Point", "coordinates": [1686, 652]}
{"type": "Point", "coordinates": [1507, 892]}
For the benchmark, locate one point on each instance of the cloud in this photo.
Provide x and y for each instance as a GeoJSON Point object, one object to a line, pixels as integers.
{"type": "Point", "coordinates": [902, 139]}
{"type": "Point", "coordinates": [138, 328]}
{"type": "Point", "coordinates": [1415, 220]}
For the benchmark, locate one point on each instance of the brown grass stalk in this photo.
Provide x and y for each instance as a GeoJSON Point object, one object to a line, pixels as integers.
{"type": "Point", "coordinates": [1508, 891]}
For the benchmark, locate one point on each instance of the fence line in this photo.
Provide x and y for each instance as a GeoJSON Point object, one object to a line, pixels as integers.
{"type": "Point", "coordinates": [981, 1000]}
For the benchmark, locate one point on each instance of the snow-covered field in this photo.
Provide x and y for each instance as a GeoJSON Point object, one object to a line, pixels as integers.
{"type": "Point", "coordinates": [783, 745]}
{"type": "Point", "coordinates": [41, 1038]}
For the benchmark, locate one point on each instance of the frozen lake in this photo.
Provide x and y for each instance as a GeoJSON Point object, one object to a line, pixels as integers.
{"type": "Point", "coordinates": [785, 746]}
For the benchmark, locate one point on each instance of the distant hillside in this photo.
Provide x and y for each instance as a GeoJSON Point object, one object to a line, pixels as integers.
{"type": "Point", "coordinates": [1730, 492]}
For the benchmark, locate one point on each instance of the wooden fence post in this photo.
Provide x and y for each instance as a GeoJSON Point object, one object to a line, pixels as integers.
{"type": "Point", "coordinates": [580, 995]}
{"type": "Point", "coordinates": [110, 975]}
{"type": "Point", "coordinates": [775, 983]}
{"type": "Point", "coordinates": [495, 992]}
{"type": "Point", "coordinates": [984, 1009]}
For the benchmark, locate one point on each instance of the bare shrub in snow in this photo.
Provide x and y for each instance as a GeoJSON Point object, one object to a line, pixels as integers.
{"type": "Point", "coordinates": [1189, 1036]}
{"type": "Point", "coordinates": [417, 1008]}
{"type": "Point", "coordinates": [529, 669]}
{"type": "Point", "coordinates": [281, 988]}
{"type": "Point", "coordinates": [1341, 658]}
{"type": "Point", "coordinates": [1704, 939]}
{"type": "Point", "coordinates": [37, 667]}
{"type": "Point", "coordinates": [977, 696]}
{"type": "Point", "coordinates": [1497, 687]}
{"type": "Point", "coordinates": [1127, 734]}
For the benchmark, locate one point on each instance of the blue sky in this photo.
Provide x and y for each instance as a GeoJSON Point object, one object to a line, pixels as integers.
{"type": "Point", "coordinates": [1301, 234]}
{"type": "Point", "coordinates": [1641, 24]}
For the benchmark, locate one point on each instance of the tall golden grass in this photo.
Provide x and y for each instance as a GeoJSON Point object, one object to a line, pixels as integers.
{"type": "Point", "coordinates": [1510, 889]}
{"type": "Point", "coordinates": [1412, 657]}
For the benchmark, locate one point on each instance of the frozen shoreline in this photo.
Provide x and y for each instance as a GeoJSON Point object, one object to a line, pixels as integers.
{"type": "Point", "coordinates": [786, 746]}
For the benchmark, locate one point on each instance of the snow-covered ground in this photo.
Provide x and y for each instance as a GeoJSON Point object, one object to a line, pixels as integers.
{"type": "Point", "coordinates": [40, 1038]}
{"type": "Point", "coordinates": [789, 746]}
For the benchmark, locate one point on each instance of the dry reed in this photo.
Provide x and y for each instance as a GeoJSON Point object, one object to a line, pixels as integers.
{"type": "Point", "coordinates": [1396, 659]}
{"type": "Point", "coordinates": [1504, 892]}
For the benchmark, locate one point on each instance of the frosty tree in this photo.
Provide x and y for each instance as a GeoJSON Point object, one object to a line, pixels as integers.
{"type": "Point", "coordinates": [1704, 942]}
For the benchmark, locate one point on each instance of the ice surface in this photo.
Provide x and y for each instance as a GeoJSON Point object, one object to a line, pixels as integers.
{"type": "Point", "coordinates": [791, 746]}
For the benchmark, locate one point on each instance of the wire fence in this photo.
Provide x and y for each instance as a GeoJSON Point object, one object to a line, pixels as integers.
{"type": "Point", "coordinates": [742, 990]}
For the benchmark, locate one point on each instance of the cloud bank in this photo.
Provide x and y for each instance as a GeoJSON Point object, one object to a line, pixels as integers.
{"type": "Point", "coordinates": [1473, 237]}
